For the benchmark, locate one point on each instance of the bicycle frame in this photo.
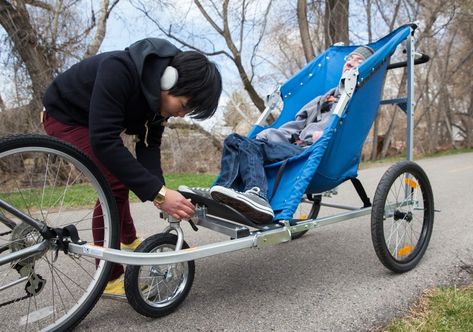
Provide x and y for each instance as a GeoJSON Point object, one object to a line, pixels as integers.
{"type": "Point", "coordinates": [29, 251]}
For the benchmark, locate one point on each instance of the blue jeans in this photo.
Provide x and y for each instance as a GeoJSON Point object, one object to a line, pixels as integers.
{"type": "Point", "coordinates": [243, 160]}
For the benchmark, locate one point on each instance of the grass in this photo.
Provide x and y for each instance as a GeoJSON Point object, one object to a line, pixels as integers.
{"type": "Point", "coordinates": [448, 152]}
{"type": "Point", "coordinates": [439, 309]}
{"type": "Point", "coordinates": [77, 196]}
{"type": "Point", "coordinates": [394, 159]}
{"type": "Point", "coordinates": [83, 195]}
{"type": "Point", "coordinates": [173, 180]}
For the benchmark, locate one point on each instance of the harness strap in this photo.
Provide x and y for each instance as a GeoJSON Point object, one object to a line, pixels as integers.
{"type": "Point", "coordinates": [278, 178]}
{"type": "Point", "coordinates": [361, 192]}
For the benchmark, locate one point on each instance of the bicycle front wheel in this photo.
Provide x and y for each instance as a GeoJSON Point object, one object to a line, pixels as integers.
{"type": "Point", "coordinates": [57, 185]}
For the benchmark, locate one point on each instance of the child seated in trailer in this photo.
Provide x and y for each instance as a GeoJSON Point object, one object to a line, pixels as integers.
{"type": "Point", "coordinates": [243, 159]}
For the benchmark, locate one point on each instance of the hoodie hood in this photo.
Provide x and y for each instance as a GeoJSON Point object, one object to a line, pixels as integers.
{"type": "Point", "coordinates": [151, 56]}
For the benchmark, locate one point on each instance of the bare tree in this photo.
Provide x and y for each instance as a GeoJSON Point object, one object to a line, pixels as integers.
{"type": "Point", "coordinates": [94, 45]}
{"type": "Point", "coordinates": [233, 25]}
{"type": "Point", "coordinates": [239, 113]}
{"type": "Point", "coordinates": [44, 36]}
{"type": "Point", "coordinates": [304, 30]}
{"type": "Point", "coordinates": [2, 104]}
{"type": "Point", "coordinates": [40, 64]}
{"type": "Point", "coordinates": [336, 22]}
{"type": "Point", "coordinates": [389, 12]}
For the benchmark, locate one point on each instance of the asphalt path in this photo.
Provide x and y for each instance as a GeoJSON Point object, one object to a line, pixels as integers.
{"type": "Point", "coordinates": [329, 280]}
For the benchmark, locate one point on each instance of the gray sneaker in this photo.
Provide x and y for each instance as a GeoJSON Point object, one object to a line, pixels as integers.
{"type": "Point", "coordinates": [249, 203]}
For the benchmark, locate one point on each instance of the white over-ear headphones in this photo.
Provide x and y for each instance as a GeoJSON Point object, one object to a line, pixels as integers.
{"type": "Point", "coordinates": [169, 78]}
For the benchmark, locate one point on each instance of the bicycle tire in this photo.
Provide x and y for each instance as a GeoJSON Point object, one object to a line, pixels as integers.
{"type": "Point", "coordinates": [402, 216]}
{"type": "Point", "coordinates": [141, 283]}
{"type": "Point", "coordinates": [48, 180]}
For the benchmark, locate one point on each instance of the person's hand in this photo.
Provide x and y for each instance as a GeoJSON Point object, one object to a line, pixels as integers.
{"type": "Point", "coordinates": [316, 135]}
{"type": "Point", "coordinates": [176, 205]}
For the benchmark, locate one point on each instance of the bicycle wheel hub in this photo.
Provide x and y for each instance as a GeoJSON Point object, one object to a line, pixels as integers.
{"type": "Point", "coordinates": [399, 215]}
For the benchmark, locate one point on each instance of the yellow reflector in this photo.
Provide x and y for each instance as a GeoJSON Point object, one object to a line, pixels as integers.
{"type": "Point", "coordinates": [411, 183]}
{"type": "Point", "coordinates": [304, 216]}
{"type": "Point", "coordinates": [406, 250]}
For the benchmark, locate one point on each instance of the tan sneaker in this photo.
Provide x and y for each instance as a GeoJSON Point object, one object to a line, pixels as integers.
{"type": "Point", "coordinates": [131, 246]}
{"type": "Point", "coordinates": [115, 289]}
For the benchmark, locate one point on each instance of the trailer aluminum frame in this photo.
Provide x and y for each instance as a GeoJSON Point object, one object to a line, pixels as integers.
{"type": "Point", "coordinates": [257, 239]}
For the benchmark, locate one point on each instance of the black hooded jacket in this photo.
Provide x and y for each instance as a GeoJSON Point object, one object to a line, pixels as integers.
{"type": "Point", "coordinates": [117, 92]}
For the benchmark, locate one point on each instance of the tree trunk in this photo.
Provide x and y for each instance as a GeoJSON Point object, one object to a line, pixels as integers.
{"type": "Point", "coordinates": [94, 45]}
{"type": "Point", "coordinates": [374, 148]}
{"type": "Point", "coordinates": [247, 85]}
{"type": "Point", "coordinates": [336, 22]}
{"type": "Point", "coordinates": [38, 61]}
{"type": "Point", "coordinates": [2, 104]}
{"type": "Point", "coordinates": [389, 133]}
{"type": "Point", "coordinates": [304, 30]}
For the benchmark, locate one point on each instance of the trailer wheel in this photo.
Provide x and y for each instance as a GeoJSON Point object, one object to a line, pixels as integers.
{"type": "Point", "coordinates": [157, 290]}
{"type": "Point", "coordinates": [402, 216]}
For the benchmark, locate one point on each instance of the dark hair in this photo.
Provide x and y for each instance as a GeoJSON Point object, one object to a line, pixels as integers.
{"type": "Point", "coordinates": [200, 80]}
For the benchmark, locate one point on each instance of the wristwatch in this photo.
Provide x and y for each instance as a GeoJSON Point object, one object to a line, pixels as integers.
{"type": "Point", "coordinates": [161, 196]}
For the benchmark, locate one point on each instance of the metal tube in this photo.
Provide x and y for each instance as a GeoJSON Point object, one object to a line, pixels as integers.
{"type": "Point", "coordinates": [184, 255]}
{"type": "Point", "coordinates": [13, 283]}
{"type": "Point", "coordinates": [25, 253]}
{"type": "Point", "coordinates": [257, 239]}
{"type": "Point", "coordinates": [41, 227]}
{"type": "Point", "coordinates": [410, 98]}
{"type": "Point", "coordinates": [180, 235]}
{"type": "Point", "coordinates": [342, 216]}
{"type": "Point", "coordinates": [339, 206]}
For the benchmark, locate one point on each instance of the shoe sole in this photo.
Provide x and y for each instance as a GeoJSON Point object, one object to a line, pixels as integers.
{"type": "Point", "coordinates": [127, 247]}
{"type": "Point", "coordinates": [257, 213]}
{"type": "Point", "coordinates": [201, 193]}
{"type": "Point", "coordinates": [123, 248]}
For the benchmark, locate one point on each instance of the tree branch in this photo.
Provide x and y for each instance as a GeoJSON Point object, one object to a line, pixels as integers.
{"type": "Point", "coordinates": [258, 42]}
{"type": "Point", "coordinates": [207, 17]}
{"type": "Point", "coordinates": [242, 23]}
{"type": "Point", "coordinates": [55, 25]}
{"type": "Point", "coordinates": [94, 45]}
{"type": "Point", "coordinates": [169, 34]}
{"type": "Point", "coordinates": [39, 4]}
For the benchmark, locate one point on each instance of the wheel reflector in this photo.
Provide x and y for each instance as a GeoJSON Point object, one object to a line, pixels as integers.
{"type": "Point", "coordinates": [411, 183]}
{"type": "Point", "coordinates": [406, 250]}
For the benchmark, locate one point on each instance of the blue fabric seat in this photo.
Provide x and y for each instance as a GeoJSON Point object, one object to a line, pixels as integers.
{"type": "Point", "coordinates": [335, 157]}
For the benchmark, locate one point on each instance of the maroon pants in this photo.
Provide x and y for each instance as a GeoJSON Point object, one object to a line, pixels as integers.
{"type": "Point", "coordinates": [79, 137]}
